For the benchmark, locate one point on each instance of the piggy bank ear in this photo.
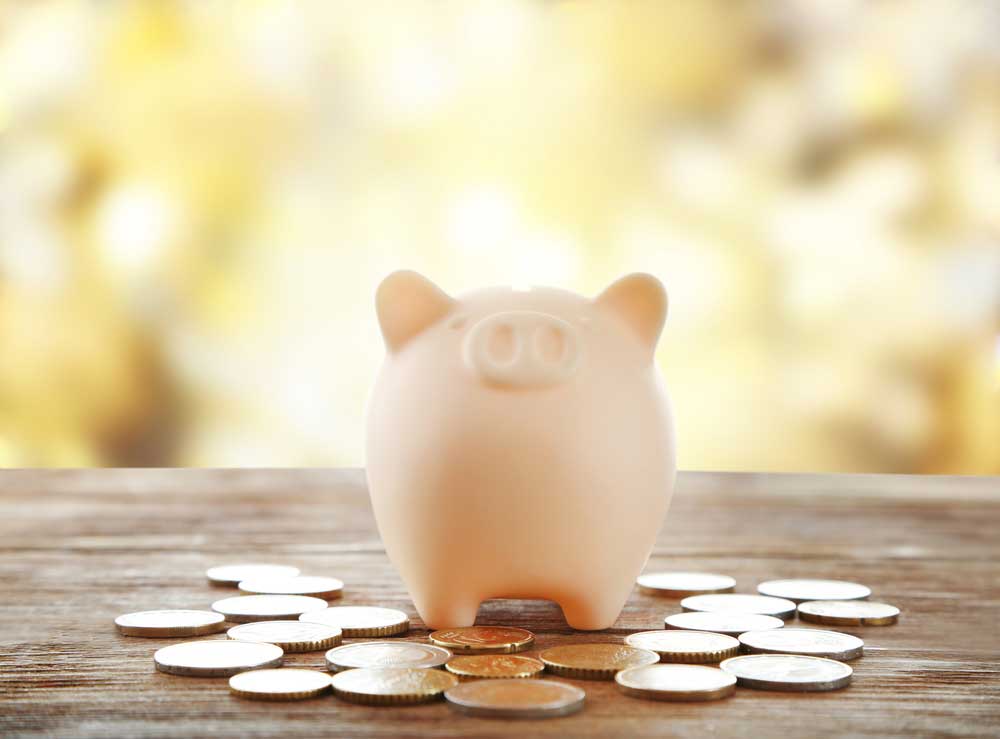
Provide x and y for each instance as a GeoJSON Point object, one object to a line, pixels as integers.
{"type": "Point", "coordinates": [639, 300]}
{"type": "Point", "coordinates": [406, 304]}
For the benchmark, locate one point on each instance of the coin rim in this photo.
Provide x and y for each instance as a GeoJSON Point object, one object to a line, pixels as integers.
{"type": "Point", "coordinates": [509, 647]}
{"type": "Point", "coordinates": [524, 675]}
{"type": "Point", "coordinates": [313, 645]}
{"type": "Point", "coordinates": [163, 632]}
{"type": "Point", "coordinates": [334, 667]}
{"type": "Point", "coordinates": [470, 709]}
{"type": "Point", "coordinates": [791, 687]}
{"type": "Point", "coordinates": [691, 657]}
{"type": "Point", "coordinates": [590, 673]}
{"type": "Point", "coordinates": [384, 699]}
{"type": "Point", "coordinates": [812, 579]}
{"type": "Point", "coordinates": [686, 696]}
{"type": "Point", "coordinates": [846, 654]}
{"type": "Point", "coordinates": [287, 696]}
{"type": "Point", "coordinates": [681, 593]}
{"type": "Point", "coordinates": [186, 671]}
{"type": "Point", "coordinates": [848, 620]}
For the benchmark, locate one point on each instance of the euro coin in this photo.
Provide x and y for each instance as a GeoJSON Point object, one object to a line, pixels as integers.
{"type": "Point", "coordinates": [327, 588]}
{"type": "Point", "coordinates": [217, 658]}
{"type": "Point", "coordinates": [246, 608]}
{"type": "Point", "coordinates": [494, 666]}
{"type": "Point", "coordinates": [285, 684]}
{"type": "Point", "coordinates": [385, 686]}
{"type": "Point", "coordinates": [691, 647]}
{"type": "Point", "coordinates": [515, 698]}
{"type": "Point", "coordinates": [803, 590]}
{"type": "Point", "coordinates": [233, 575]}
{"type": "Point", "coordinates": [361, 620]}
{"type": "Point", "coordinates": [170, 623]}
{"type": "Point", "coordinates": [483, 639]}
{"type": "Point", "coordinates": [732, 624]}
{"type": "Point", "coordinates": [739, 603]}
{"type": "Point", "coordinates": [683, 584]}
{"type": "Point", "coordinates": [813, 642]}
{"type": "Point", "coordinates": [292, 636]}
{"type": "Point", "coordinates": [848, 613]}
{"type": "Point", "coordinates": [789, 672]}
{"type": "Point", "coordinates": [595, 661]}
{"type": "Point", "coordinates": [676, 682]}
{"type": "Point", "coordinates": [386, 654]}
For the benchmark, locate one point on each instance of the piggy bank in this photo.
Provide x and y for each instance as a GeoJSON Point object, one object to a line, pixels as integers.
{"type": "Point", "coordinates": [519, 445]}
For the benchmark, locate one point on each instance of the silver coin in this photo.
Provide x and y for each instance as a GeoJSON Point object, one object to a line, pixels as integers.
{"type": "Point", "coordinates": [848, 612]}
{"type": "Point", "coordinates": [789, 672]}
{"type": "Point", "coordinates": [803, 590]}
{"type": "Point", "coordinates": [362, 620]}
{"type": "Point", "coordinates": [732, 624]}
{"type": "Point", "coordinates": [516, 698]}
{"type": "Point", "coordinates": [812, 642]}
{"type": "Point", "coordinates": [683, 584]}
{"type": "Point", "coordinates": [233, 575]}
{"type": "Point", "coordinates": [386, 654]}
{"type": "Point", "coordinates": [216, 658]}
{"type": "Point", "coordinates": [285, 684]}
{"type": "Point", "coordinates": [676, 682]}
{"type": "Point", "coordinates": [327, 588]}
{"type": "Point", "coordinates": [740, 603]}
{"type": "Point", "coordinates": [292, 636]}
{"type": "Point", "coordinates": [170, 623]}
{"type": "Point", "coordinates": [246, 608]}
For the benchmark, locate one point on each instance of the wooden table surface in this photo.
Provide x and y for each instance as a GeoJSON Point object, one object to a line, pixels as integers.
{"type": "Point", "coordinates": [81, 547]}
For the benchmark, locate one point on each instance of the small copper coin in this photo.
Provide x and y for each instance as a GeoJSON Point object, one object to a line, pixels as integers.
{"type": "Point", "coordinates": [595, 661]}
{"type": "Point", "coordinates": [386, 654]}
{"type": "Point", "coordinates": [690, 647]}
{"type": "Point", "coordinates": [233, 575]}
{"type": "Point", "coordinates": [246, 608]}
{"type": "Point", "coordinates": [494, 666]}
{"type": "Point", "coordinates": [732, 624]}
{"type": "Point", "coordinates": [327, 588]}
{"type": "Point", "coordinates": [676, 682]}
{"type": "Point", "coordinates": [812, 642]}
{"type": "Point", "coordinates": [803, 590]}
{"type": "Point", "coordinates": [216, 658]}
{"type": "Point", "coordinates": [740, 603]}
{"type": "Point", "coordinates": [683, 584]}
{"type": "Point", "coordinates": [483, 639]}
{"type": "Point", "coordinates": [848, 612]}
{"type": "Point", "coordinates": [170, 623]}
{"type": "Point", "coordinates": [515, 698]}
{"type": "Point", "coordinates": [361, 620]}
{"type": "Point", "coordinates": [292, 636]}
{"type": "Point", "coordinates": [285, 684]}
{"type": "Point", "coordinates": [789, 672]}
{"type": "Point", "coordinates": [385, 686]}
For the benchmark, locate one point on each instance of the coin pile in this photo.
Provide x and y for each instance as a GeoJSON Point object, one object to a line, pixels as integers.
{"type": "Point", "coordinates": [480, 671]}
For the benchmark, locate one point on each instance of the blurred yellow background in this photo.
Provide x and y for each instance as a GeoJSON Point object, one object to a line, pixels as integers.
{"type": "Point", "coordinates": [197, 200]}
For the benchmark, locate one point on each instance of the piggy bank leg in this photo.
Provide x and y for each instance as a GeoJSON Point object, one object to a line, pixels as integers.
{"type": "Point", "coordinates": [446, 608]}
{"type": "Point", "coordinates": [591, 611]}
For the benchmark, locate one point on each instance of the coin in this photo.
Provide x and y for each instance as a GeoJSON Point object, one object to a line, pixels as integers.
{"type": "Point", "coordinates": [483, 639]}
{"type": "Point", "coordinates": [216, 658]}
{"type": "Point", "coordinates": [386, 654]}
{"type": "Point", "coordinates": [692, 647]}
{"type": "Point", "coordinates": [739, 603]}
{"type": "Point", "coordinates": [286, 684]}
{"type": "Point", "coordinates": [292, 636]}
{"type": "Point", "coordinates": [848, 612]}
{"type": "Point", "coordinates": [245, 608]}
{"type": "Point", "coordinates": [683, 584]}
{"type": "Point", "coordinates": [813, 642]}
{"type": "Point", "coordinates": [803, 590]}
{"type": "Point", "coordinates": [494, 666]}
{"type": "Point", "coordinates": [732, 624]}
{"type": "Point", "coordinates": [676, 682]}
{"type": "Point", "coordinates": [791, 672]}
{"type": "Point", "coordinates": [515, 698]}
{"type": "Point", "coordinates": [327, 588]}
{"type": "Point", "coordinates": [170, 623]}
{"type": "Point", "coordinates": [233, 575]}
{"type": "Point", "coordinates": [361, 620]}
{"type": "Point", "coordinates": [595, 661]}
{"type": "Point", "coordinates": [385, 686]}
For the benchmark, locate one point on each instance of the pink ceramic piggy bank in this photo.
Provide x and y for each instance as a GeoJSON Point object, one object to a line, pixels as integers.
{"type": "Point", "coordinates": [520, 445]}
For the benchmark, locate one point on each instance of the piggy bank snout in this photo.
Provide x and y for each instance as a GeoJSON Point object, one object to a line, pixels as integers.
{"type": "Point", "coordinates": [522, 349]}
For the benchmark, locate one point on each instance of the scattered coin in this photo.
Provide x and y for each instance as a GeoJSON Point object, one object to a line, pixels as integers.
{"type": "Point", "coordinates": [739, 603]}
{"type": "Point", "coordinates": [515, 698]}
{"type": "Point", "coordinates": [361, 620]}
{"type": "Point", "coordinates": [683, 584]}
{"type": "Point", "coordinates": [170, 623]}
{"type": "Point", "coordinates": [483, 639]}
{"type": "Point", "coordinates": [246, 608]}
{"type": "Point", "coordinates": [803, 590]}
{"type": "Point", "coordinates": [691, 647]}
{"type": "Point", "coordinates": [386, 654]}
{"type": "Point", "coordinates": [848, 612]}
{"type": "Point", "coordinates": [813, 642]}
{"type": "Point", "coordinates": [494, 666]}
{"type": "Point", "coordinates": [385, 686]}
{"type": "Point", "coordinates": [595, 661]}
{"type": "Point", "coordinates": [732, 624]}
{"type": "Point", "coordinates": [327, 588]}
{"type": "Point", "coordinates": [292, 636]}
{"type": "Point", "coordinates": [789, 672]}
{"type": "Point", "coordinates": [676, 682]}
{"type": "Point", "coordinates": [285, 684]}
{"type": "Point", "coordinates": [216, 658]}
{"type": "Point", "coordinates": [233, 575]}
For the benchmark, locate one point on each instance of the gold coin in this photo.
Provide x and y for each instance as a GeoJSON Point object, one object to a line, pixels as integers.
{"type": "Point", "coordinates": [732, 624]}
{"type": "Point", "coordinates": [812, 642]}
{"type": "Point", "coordinates": [515, 698]}
{"type": "Point", "coordinates": [216, 658]}
{"type": "Point", "coordinates": [386, 654]}
{"type": "Point", "coordinates": [385, 686]}
{"type": "Point", "coordinates": [233, 575]}
{"type": "Point", "coordinates": [327, 588]}
{"type": "Point", "coordinates": [292, 636]}
{"type": "Point", "coordinates": [595, 661]}
{"type": "Point", "coordinates": [483, 639]}
{"type": "Point", "coordinates": [791, 672]}
{"type": "Point", "coordinates": [848, 612]}
{"type": "Point", "coordinates": [285, 684]}
{"type": "Point", "coordinates": [494, 666]}
{"type": "Point", "coordinates": [361, 620]}
{"type": "Point", "coordinates": [740, 603]}
{"type": "Point", "coordinates": [683, 584]}
{"type": "Point", "coordinates": [691, 647]}
{"type": "Point", "coordinates": [676, 682]}
{"type": "Point", "coordinates": [246, 608]}
{"type": "Point", "coordinates": [170, 623]}
{"type": "Point", "coordinates": [803, 590]}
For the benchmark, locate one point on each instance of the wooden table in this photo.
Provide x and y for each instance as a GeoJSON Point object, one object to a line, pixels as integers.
{"type": "Point", "coordinates": [80, 547]}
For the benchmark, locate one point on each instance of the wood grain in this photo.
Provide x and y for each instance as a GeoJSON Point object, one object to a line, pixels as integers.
{"type": "Point", "coordinates": [80, 547]}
